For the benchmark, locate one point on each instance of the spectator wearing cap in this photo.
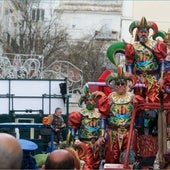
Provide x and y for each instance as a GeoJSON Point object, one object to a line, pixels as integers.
{"type": "Point", "coordinates": [28, 147]}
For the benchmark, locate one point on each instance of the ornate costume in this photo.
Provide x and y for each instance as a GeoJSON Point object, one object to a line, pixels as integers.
{"type": "Point", "coordinates": [87, 126]}
{"type": "Point", "coordinates": [118, 109]}
{"type": "Point", "coordinates": [146, 59]}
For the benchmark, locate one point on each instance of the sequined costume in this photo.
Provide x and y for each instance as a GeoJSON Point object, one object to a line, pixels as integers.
{"type": "Point", "coordinates": [146, 61]}
{"type": "Point", "coordinates": [87, 125]}
{"type": "Point", "coordinates": [145, 58]}
{"type": "Point", "coordinates": [118, 109]}
{"type": "Point", "coordinates": [118, 124]}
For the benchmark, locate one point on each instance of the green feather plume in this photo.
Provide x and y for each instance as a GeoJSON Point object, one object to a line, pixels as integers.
{"type": "Point", "coordinates": [117, 47]}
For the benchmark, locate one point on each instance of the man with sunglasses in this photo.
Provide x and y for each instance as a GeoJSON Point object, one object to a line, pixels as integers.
{"type": "Point", "coordinates": [117, 107]}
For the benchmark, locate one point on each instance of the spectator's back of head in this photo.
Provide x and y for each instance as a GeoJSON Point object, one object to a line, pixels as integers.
{"type": "Point", "coordinates": [76, 157]}
{"type": "Point", "coordinates": [10, 152]}
{"type": "Point", "coordinates": [60, 159]}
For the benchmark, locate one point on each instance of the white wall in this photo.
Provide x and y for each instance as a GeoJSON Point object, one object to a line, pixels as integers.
{"type": "Point", "coordinates": [80, 24]}
{"type": "Point", "coordinates": [157, 11]}
{"type": "Point", "coordinates": [127, 15]}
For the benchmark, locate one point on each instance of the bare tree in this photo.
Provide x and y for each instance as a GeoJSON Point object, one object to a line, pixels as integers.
{"type": "Point", "coordinates": [49, 38]}
{"type": "Point", "coordinates": [35, 34]}
{"type": "Point", "coordinates": [90, 57]}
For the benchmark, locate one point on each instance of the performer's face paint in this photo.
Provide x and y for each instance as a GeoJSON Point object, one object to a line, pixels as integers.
{"type": "Point", "coordinates": [90, 104]}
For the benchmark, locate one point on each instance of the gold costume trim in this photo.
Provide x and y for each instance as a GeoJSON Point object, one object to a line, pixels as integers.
{"type": "Point", "coordinates": [90, 113]}
{"type": "Point", "coordinates": [122, 99]}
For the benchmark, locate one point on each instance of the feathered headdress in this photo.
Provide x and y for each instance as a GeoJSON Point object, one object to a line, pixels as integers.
{"type": "Point", "coordinates": [160, 34]}
{"type": "Point", "coordinates": [143, 24]}
{"type": "Point", "coordinates": [117, 47]}
{"type": "Point", "coordinates": [165, 36]}
{"type": "Point", "coordinates": [87, 94]}
{"type": "Point", "coordinates": [119, 76]}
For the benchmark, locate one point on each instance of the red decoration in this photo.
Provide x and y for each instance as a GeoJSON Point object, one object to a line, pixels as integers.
{"type": "Point", "coordinates": [74, 119]}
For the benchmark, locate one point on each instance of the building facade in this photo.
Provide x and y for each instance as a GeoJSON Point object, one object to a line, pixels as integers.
{"type": "Point", "coordinates": [107, 20]}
